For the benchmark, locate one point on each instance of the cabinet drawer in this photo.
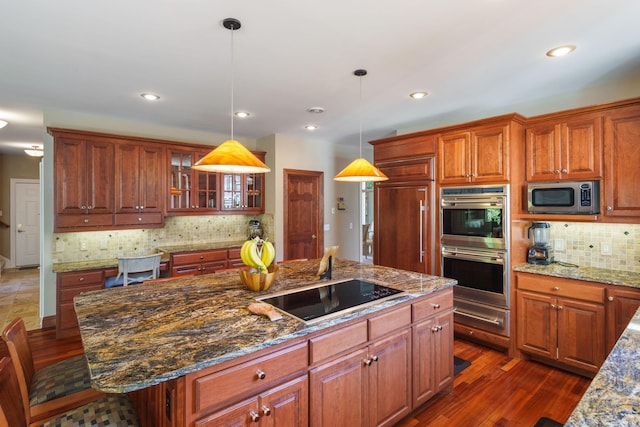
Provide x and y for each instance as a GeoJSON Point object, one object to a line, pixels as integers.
{"type": "Point", "coordinates": [229, 384]}
{"type": "Point", "coordinates": [233, 253]}
{"type": "Point", "coordinates": [67, 293]}
{"type": "Point", "coordinates": [92, 220]}
{"type": "Point", "coordinates": [437, 303]}
{"type": "Point", "coordinates": [81, 278]}
{"type": "Point", "coordinates": [556, 286]}
{"type": "Point", "coordinates": [388, 322]}
{"type": "Point", "coordinates": [199, 256]}
{"type": "Point", "coordinates": [336, 342]}
{"type": "Point", "coordinates": [407, 170]}
{"type": "Point", "coordinates": [139, 219]}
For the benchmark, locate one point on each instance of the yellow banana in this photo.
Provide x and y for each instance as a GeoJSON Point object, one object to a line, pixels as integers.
{"type": "Point", "coordinates": [255, 257]}
{"type": "Point", "coordinates": [268, 253]}
{"type": "Point", "coordinates": [245, 253]}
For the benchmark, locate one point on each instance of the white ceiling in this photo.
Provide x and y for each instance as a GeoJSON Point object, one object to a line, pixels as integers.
{"type": "Point", "coordinates": [474, 57]}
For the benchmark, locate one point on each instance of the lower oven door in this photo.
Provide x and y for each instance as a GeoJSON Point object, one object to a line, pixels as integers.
{"type": "Point", "coordinates": [481, 316]}
{"type": "Point", "coordinates": [481, 274]}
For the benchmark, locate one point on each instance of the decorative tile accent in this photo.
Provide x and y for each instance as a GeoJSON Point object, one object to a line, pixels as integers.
{"type": "Point", "coordinates": [583, 244]}
{"type": "Point", "coordinates": [178, 230]}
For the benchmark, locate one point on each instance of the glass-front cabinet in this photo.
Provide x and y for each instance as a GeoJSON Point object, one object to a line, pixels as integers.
{"type": "Point", "coordinates": [191, 190]}
{"type": "Point", "coordinates": [243, 192]}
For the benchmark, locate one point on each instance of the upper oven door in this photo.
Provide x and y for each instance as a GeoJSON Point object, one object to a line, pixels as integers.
{"type": "Point", "coordinates": [473, 221]}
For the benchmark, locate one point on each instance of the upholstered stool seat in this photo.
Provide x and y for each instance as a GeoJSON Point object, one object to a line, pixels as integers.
{"type": "Point", "coordinates": [60, 379]}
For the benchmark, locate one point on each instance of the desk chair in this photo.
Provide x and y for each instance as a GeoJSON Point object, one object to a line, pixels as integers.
{"type": "Point", "coordinates": [52, 389]}
{"type": "Point", "coordinates": [136, 270]}
{"type": "Point", "coordinates": [113, 410]}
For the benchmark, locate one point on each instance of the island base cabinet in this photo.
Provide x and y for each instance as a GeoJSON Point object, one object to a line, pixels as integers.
{"type": "Point", "coordinates": [367, 387]}
{"type": "Point", "coordinates": [286, 405]}
{"type": "Point", "coordinates": [622, 304]}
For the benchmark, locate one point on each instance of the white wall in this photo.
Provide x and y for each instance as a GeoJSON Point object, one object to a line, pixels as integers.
{"type": "Point", "coordinates": [289, 152]}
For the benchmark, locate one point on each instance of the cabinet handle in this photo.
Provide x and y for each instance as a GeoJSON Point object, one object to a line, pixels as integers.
{"type": "Point", "coordinates": [555, 288]}
{"type": "Point", "coordinates": [435, 306]}
{"type": "Point", "coordinates": [560, 307]}
{"type": "Point", "coordinates": [81, 279]}
{"type": "Point", "coordinates": [83, 207]}
{"type": "Point", "coordinates": [556, 171]}
{"type": "Point", "coordinates": [553, 306]}
{"type": "Point", "coordinates": [137, 207]}
{"type": "Point", "coordinates": [255, 417]}
{"type": "Point", "coordinates": [374, 358]}
{"type": "Point", "coordinates": [436, 328]}
{"type": "Point", "coordinates": [610, 298]}
{"type": "Point", "coordinates": [564, 171]}
{"type": "Point", "coordinates": [266, 411]}
{"type": "Point", "coordinates": [141, 207]}
{"type": "Point", "coordinates": [201, 256]}
{"type": "Point", "coordinates": [367, 362]}
{"type": "Point", "coordinates": [609, 208]}
{"type": "Point", "coordinates": [260, 374]}
{"type": "Point", "coordinates": [86, 221]}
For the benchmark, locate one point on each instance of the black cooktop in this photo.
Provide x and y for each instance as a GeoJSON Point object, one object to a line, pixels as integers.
{"type": "Point", "coordinates": [318, 303]}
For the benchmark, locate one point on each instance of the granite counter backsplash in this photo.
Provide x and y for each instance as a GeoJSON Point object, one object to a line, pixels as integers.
{"type": "Point", "coordinates": [591, 274]}
{"type": "Point", "coordinates": [142, 335]}
{"type": "Point", "coordinates": [613, 398]}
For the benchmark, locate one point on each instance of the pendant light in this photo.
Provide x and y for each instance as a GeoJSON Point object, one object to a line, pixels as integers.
{"type": "Point", "coordinates": [231, 156]}
{"type": "Point", "coordinates": [360, 170]}
{"type": "Point", "coordinates": [35, 151]}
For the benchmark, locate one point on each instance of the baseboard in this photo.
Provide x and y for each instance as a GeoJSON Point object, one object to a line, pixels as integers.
{"type": "Point", "coordinates": [49, 322]}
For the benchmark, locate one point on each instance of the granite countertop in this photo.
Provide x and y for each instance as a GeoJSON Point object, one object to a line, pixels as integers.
{"type": "Point", "coordinates": [592, 274]}
{"type": "Point", "coordinates": [64, 267]}
{"type": "Point", "coordinates": [613, 398]}
{"type": "Point", "coordinates": [142, 335]}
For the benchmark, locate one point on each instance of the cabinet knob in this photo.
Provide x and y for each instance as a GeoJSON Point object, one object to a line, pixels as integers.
{"type": "Point", "coordinates": [556, 171]}
{"type": "Point", "coordinates": [609, 208]}
{"type": "Point", "coordinates": [553, 306]}
{"type": "Point", "coordinates": [85, 220]}
{"type": "Point", "coordinates": [266, 411]}
{"type": "Point", "coordinates": [436, 306]}
{"type": "Point", "coordinates": [564, 171]}
{"type": "Point", "coordinates": [141, 207]}
{"type": "Point", "coordinates": [555, 288]}
{"type": "Point", "coordinates": [374, 358]}
{"type": "Point", "coordinates": [255, 417]}
{"type": "Point", "coordinates": [260, 374]}
{"type": "Point", "coordinates": [610, 298]}
{"type": "Point", "coordinates": [139, 219]}
{"type": "Point", "coordinates": [560, 307]}
{"type": "Point", "coordinates": [83, 207]}
{"type": "Point", "coordinates": [81, 279]}
{"type": "Point", "coordinates": [367, 362]}
{"type": "Point", "coordinates": [137, 207]}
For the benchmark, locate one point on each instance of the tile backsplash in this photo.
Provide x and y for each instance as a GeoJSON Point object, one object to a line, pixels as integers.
{"type": "Point", "coordinates": [178, 230]}
{"type": "Point", "coordinates": [584, 242]}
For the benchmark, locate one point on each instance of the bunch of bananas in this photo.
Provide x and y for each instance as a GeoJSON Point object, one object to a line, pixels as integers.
{"type": "Point", "coordinates": [258, 254]}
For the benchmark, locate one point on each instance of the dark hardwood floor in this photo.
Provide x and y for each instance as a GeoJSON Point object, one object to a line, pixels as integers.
{"type": "Point", "coordinates": [494, 391]}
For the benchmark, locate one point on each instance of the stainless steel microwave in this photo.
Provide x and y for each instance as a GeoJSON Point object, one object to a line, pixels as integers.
{"type": "Point", "coordinates": [569, 197]}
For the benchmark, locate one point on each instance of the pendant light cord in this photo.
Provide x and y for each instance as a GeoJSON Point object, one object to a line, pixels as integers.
{"type": "Point", "coordinates": [360, 115]}
{"type": "Point", "coordinates": [232, 79]}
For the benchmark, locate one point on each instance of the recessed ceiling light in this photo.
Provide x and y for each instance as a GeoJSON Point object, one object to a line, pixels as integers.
{"type": "Point", "coordinates": [418, 95]}
{"type": "Point", "coordinates": [3, 123]}
{"type": "Point", "coordinates": [315, 110]}
{"type": "Point", "coordinates": [241, 114]}
{"type": "Point", "coordinates": [311, 127]}
{"type": "Point", "coordinates": [150, 96]}
{"type": "Point", "coordinates": [561, 51]}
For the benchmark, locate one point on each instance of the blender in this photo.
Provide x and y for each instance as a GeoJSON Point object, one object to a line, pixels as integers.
{"type": "Point", "coordinates": [541, 252]}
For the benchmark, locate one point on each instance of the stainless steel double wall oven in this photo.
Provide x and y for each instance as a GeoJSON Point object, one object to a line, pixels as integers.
{"type": "Point", "coordinates": [474, 225]}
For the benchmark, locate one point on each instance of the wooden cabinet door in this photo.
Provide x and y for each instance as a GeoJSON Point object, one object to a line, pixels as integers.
{"type": "Point", "coordinates": [84, 176]}
{"type": "Point", "coordinates": [339, 390]}
{"type": "Point", "coordinates": [490, 155]}
{"type": "Point", "coordinates": [581, 148]}
{"type": "Point", "coordinates": [403, 230]}
{"type": "Point", "coordinates": [537, 324]}
{"type": "Point", "coordinates": [454, 158]}
{"type": "Point", "coordinates": [152, 183]}
{"type": "Point", "coordinates": [423, 376]}
{"type": "Point", "coordinates": [622, 304]}
{"type": "Point", "coordinates": [443, 349]}
{"type": "Point", "coordinates": [581, 341]}
{"type": "Point", "coordinates": [622, 157]}
{"type": "Point", "coordinates": [390, 379]}
{"type": "Point", "coordinates": [245, 413]}
{"type": "Point", "coordinates": [286, 405]}
{"type": "Point", "coordinates": [542, 147]}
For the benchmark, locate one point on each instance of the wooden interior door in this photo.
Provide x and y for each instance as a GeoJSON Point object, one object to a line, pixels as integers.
{"type": "Point", "coordinates": [303, 214]}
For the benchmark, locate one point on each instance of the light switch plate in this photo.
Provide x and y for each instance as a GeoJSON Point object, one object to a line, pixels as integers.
{"type": "Point", "coordinates": [605, 248]}
{"type": "Point", "coordinates": [558, 245]}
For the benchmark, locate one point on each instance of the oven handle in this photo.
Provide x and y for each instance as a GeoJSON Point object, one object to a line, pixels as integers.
{"type": "Point", "coordinates": [473, 316]}
{"type": "Point", "coordinates": [497, 259]}
{"type": "Point", "coordinates": [473, 203]}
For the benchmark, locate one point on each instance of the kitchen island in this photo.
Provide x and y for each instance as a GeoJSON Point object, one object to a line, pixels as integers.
{"type": "Point", "coordinates": [190, 353]}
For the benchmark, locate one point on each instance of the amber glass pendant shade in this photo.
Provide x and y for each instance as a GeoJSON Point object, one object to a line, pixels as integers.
{"type": "Point", "coordinates": [360, 170]}
{"type": "Point", "coordinates": [231, 157]}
